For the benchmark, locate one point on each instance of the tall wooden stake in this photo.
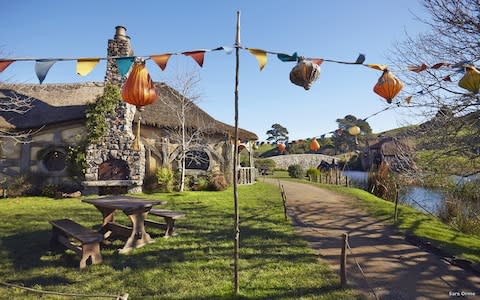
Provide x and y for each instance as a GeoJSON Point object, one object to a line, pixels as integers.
{"type": "Point", "coordinates": [236, 233]}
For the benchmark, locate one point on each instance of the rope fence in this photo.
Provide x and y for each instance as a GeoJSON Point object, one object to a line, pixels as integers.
{"type": "Point", "coordinates": [117, 297]}
{"type": "Point", "coordinates": [343, 267]}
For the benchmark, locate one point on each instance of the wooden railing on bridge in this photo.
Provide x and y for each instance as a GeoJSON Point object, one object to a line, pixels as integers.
{"type": "Point", "coordinates": [246, 175]}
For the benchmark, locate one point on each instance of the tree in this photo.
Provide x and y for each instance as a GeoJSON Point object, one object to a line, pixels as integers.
{"type": "Point", "coordinates": [278, 133]}
{"type": "Point", "coordinates": [453, 114]}
{"type": "Point", "coordinates": [13, 100]}
{"type": "Point", "coordinates": [344, 142]}
{"type": "Point", "coordinates": [189, 133]}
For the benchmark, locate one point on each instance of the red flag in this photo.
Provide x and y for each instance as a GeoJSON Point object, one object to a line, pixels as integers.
{"type": "Point", "coordinates": [161, 60]}
{"type": "Point", "coordinates": [317, 61]}
{"type": "Point", "coordinates": [437, 66]}
{"type": "Point", "coordinates": [447, 78]}
{"type": "Point", "coordinates": [4, 64]}
{"type": "Point", "coordinates": [198, 56]}
{"type": "Point", "coordinates": [418, 69]}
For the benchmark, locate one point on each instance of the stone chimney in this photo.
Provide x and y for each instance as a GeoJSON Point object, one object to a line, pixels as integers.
{"type": "Point", "coordinates": [118, 46]}
{"type": "Point", "coordinates": [113, 164]}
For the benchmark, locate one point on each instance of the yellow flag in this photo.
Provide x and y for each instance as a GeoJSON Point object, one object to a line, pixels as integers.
{"type": "Point", "coordinates": [378, 67]}
{"type": "Point", "coordinates": [260, 55]}
{"type": "Point", "coordinates": [86, 65]}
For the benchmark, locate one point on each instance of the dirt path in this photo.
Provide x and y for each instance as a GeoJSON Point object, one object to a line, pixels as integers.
{"type": "Point", "coordinates": [394, 268]}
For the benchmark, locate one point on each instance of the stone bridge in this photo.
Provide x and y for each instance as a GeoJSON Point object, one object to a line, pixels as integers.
{"type": "Point", "coordinates": [305, 160]}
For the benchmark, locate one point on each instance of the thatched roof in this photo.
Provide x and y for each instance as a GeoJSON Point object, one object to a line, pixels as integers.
{"type": "Point", "coordinates": [58, 103]}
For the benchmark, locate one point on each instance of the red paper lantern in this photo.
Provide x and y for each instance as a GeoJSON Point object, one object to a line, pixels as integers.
{"type": "Point", "coordinates": [388, 86]}
{"type": "Point", "coordinates": [281, 147]}
{"type": "Point", "coordinates": [314, 145]}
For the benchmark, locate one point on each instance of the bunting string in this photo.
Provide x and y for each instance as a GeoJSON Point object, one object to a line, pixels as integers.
{"type": "Point", "coordinates": [86, 65]}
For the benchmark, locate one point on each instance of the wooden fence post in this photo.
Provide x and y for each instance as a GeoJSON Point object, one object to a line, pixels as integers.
{"type": "Point", "coordinates": [395, 214]}
{"type": "Point", "coordinates": [343, 261]}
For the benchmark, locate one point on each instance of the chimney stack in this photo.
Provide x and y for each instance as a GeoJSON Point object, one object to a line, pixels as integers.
{"type": "Point", "coordinates": [118, 46]}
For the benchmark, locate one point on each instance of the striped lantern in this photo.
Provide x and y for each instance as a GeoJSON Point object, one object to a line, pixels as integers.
{"type": "Point", "coordinates": [139, 90]}
{"type": "Point", "coordinates": [388, 86]}
{"type": "Point", "coordinates": [304, 73]}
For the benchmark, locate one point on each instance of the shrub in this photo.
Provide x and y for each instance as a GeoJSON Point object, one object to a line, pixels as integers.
{"type": "Point", "coordinates": [49, 190]}
{"type": "Point", "coordinates": [150, 184]}
{"type": "Point", "coordinates": [19, 186]}
{"type": "Point", "coordinates": [199, 184]}
{"type": "Point", "coordinates": [165, 179]}
{"type": "Point", "coordinates": [382, 183]}
{"type": "Point", "coordinates": [313, 174]}
{"type": "Point", "coordinates": [217, 182]}
{"type": "Point", "coordinates": [265, 163]}
{"type": "Point", "coordinates": [296, 171]}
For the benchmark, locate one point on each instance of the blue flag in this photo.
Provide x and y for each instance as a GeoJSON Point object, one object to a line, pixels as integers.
{"type": "Point", "coordinates": [124, 64]}
{"type": "Point", "coordinates": [42, 66]}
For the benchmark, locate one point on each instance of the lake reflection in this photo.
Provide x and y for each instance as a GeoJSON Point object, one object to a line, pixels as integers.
{"type": "Point", "coordinates": [416, 196]}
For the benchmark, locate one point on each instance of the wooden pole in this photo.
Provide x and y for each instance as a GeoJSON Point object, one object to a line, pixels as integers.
{"type": "Point", "coordinates": [236, 231]}
{"type": "Point", "coordinates": [395, 214]}
{"type": "Point", "coordinates": [343, 261]}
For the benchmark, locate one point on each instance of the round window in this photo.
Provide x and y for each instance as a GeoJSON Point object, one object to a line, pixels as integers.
{"type": "Point", "coordinates": [54, 161]}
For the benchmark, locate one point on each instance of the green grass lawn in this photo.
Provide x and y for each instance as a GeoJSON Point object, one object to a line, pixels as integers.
{"type": "Point", "coordinates": [274, 263]}
{"type": "Point", "coordinates": [411, 221]}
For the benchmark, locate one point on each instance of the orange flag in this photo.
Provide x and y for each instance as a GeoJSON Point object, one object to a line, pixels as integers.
{"type": "Point", "coordinates": [4, 64]}
{"type": "Point", "coordinates": [161, 60]}
{"type": "Point", "coordinates": [198, 56]}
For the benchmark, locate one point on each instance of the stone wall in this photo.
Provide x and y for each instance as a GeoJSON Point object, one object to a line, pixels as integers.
{"type": "Point", "coordinates": [305, 160]}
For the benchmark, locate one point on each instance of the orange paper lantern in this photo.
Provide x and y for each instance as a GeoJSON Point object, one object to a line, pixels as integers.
{"type": "Point", "coordinates": [314, 145]}
{"type": "Point", "coordinates": [281, 147]}
{"type": "Point", "coordinates": [471, 80]}
{"type": "Point", "coordinates": [388, 86]}
{"type": "Point", "coordinates": [139, 89]}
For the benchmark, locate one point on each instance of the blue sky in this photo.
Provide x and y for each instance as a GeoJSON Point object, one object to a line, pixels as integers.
{"type": "Point", "coordinates": [337, 30]}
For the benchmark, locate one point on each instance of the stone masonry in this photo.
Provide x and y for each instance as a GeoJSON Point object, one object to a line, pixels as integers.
{"type": "Point", "coordinates": [117, 143]}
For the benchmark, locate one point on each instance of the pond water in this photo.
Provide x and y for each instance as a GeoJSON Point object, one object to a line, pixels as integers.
{"type": "Point", "coordinates": [421, 198]}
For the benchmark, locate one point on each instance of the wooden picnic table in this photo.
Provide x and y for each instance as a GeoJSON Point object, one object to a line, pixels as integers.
{"type": "Point", "coordinates": [135, 208]}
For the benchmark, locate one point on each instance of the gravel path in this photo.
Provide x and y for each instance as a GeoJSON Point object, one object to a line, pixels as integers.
{"type": "Point", "coordinates": [395, 269]}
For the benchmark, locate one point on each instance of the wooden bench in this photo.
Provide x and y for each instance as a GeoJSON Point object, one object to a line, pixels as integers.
{"type": "Point", "coordinates": [169, 216]}
{"type": "Point", "coordinates": [66, 230]}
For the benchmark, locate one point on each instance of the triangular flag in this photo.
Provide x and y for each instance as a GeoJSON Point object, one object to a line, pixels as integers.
{"type": "Point", "coordinates": [124, 64]}
{"type": "Point", "coordinates": [42, 66]}
{"type": "Point", "coordinates": [447, 78]}
{"type": "Point", "coordinates": [418, 69]}
{"type": "Point", "coordinates": [260, 55]}
{"type": "Point", "coordinates": [161, 60]}
{"type": "Point", "coordinates": [408, 99]}
{"type": "Point", "coordinates": [227, 50]}
{"type": "Point", "coordinates": [4, 64]}
{"type": "Point", "coordinates": [317, 61]}
{"type": "Point", "coordinates": [439, 65]}
{"type": "Point", "coordinates": [86, 65]}
{"type": "Point", "coordinates": [360, 59]}
{"type": "Point", "coordinates": [198, 56]}
{"type": "Point", "coordinates": [286, 57]}
{"type": "Point", "coordinates": [377, 67]}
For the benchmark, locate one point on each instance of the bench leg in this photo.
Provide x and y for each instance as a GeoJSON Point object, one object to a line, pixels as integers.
{"type": "Point", "coordinates": [91, 251]}
{"type": "Point", "coordinates": [170, 231]}
{"type": "Point", "coordinates": [55, 246]}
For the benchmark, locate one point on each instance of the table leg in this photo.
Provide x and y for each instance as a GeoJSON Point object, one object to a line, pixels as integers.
{"type": "Point", "coordinates": [139, 236]}
{"type": "Point", "coordinates": [108, 216]}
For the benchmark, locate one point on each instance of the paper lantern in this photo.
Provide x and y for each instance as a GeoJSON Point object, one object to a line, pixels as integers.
{"type": "Point", "coordinates": [139, 90]}
{"type": "Point", "coordinates": [471, 80]}
{"type": "Point", "coordinates": [281, 147]}
{"type": "Point", "coordinates": [314, 145]}
{"type": "Point", "coordinates": [354, 130]}
{"type": "Point", "coordinates": [388, 86]}
{"type": "Point", "coordinates": [304, 73]}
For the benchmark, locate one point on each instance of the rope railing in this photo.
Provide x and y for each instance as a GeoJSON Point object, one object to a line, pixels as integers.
{"type": "Point", "coordinates": [343, 260]}
{"type": "Point", "coordinates": [117, 297]}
